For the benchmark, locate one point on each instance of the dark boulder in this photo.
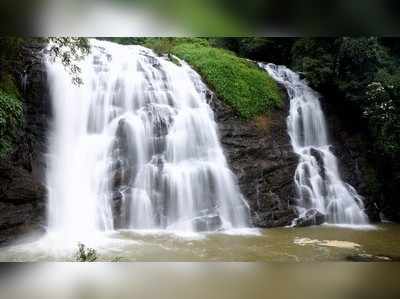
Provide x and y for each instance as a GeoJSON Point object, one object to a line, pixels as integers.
{"type": "Point", "coordinates": [17, 185]}
{"type": "Point", "coordinates": [22, 203]}
{"type": "Point", "coordinates": [273, 219]}
{"type": "Point", "coordinates": [311, 217]}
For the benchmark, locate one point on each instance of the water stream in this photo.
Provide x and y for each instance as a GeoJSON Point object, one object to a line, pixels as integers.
{"type": "Point", "coordinates": [317, 177]}
{"type": "Point", "coordinates": [136, 147]}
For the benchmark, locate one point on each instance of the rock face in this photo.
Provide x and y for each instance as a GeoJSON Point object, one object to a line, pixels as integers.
{"type": "Point", "coordinates": [22, 191]}
{"type": "Point", "coordinates": [22, 207]}
{"type": "Point", "coordinates": [310, 217]}
{"type": "Point", "coordinates": [260, 154]}
{"type": "Point", "coordinates": [37, 110]}
{"type": "Point", "coordinates": [357, 163]}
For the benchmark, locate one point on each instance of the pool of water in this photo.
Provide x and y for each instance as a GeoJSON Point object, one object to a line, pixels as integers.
{"type": "Point", "coordinates": [318, 243]}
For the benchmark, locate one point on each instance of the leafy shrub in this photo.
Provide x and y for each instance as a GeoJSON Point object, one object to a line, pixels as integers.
{"type": "Point", "coordinates": [85, 254]}
{"type": "Point", "coordinates": [314, 57]}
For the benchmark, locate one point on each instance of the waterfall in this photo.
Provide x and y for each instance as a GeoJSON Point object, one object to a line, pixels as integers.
{"type": "Point", "coordinates": [136, 147]}
{"type": "Point", "coordinates": [317, 176]}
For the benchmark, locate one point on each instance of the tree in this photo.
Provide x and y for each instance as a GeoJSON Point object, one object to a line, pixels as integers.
{"type": "Point", "coordinates": [69, 50]}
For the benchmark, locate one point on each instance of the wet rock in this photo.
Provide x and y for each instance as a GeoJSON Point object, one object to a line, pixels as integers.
{"type": "Point", "coordinates": [22, 203]}
{"type": "Point", "coordinates": [318, 155]}
{"type": "Point", "coordinates": [311, 217]}
{"type": "Point", "coordinates": [118, 175]}
{"type": "Point", "coordinates": [273, 219]}
{"type": "Point", "coordinates": [260, 154]}
{"type": "Point", "coordinates": [358, 165]}
{"type": "Point", "coordinates": [302, 75]}
{"type": "Point", "coordinates": [364, 257]}
{"type": "Point", "coordinates": [117, 209]}
{"type": "Point", "coordinates": [21, 221]}
{"type": "Point", "coordinates": [17, 185]}
{"type": "Point", "coordinates": [37, 111]}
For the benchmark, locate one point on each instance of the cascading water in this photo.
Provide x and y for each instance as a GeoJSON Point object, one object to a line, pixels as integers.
{"type": "Point", "coordinates": [317, 177]}
{"type": "Point", "coordinates": [136, 147]}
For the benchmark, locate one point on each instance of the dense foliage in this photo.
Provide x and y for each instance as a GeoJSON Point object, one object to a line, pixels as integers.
{"type": "Point", "coordinates": [275, 50]}
{"type": "Point", "coordinates": [11, 106]}
{"type": "Point", "coordinates": [11, 114]}
{"type": "Point", "coordinates": [363, 74]}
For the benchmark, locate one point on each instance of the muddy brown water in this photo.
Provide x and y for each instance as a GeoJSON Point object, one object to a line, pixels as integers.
{"type": "Point", "coordinates": [318, 243]}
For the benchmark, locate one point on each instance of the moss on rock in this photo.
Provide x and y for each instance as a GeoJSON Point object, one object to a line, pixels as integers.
{"type": "Point", "coordinates": [11, 114]}
{"type": "Point", "coordinates": [239, 82]}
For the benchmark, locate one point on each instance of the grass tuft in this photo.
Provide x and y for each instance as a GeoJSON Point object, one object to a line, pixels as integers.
{"type": "Point", "coordinates": [239, 82]}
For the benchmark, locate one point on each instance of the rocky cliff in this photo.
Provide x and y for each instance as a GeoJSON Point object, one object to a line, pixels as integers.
{"type": "Point", "coordinates": [260, 154]}
{"type": "Point", "coordinates": [22, 191]}
{"type": "Point", "coordinates": [357, 163]}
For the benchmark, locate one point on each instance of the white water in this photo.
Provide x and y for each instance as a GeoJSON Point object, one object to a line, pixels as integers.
{"type": "Point", "coordinates": [317, 176]}
{"type": "Point", "coordinates": [136, 147]}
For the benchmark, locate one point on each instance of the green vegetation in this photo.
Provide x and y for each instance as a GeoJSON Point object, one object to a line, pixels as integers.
{"type": "Point", "coordinates": [275, 50]}
{"type": "Point", "coordinates": [69, 50]}
{"type": "Point", "coordinates": [125, 40]}
{"type": "Point", "coordinates": [85, 254]}
{"type": "Point", "coordinates": [11, 114]}
{"type": "Point", "coordinates": [63, 49]}
{"type": "Point", "coordinates": [363, 74]}
{"type": "Point", "coordinates": [165, 45]}
{"type": "Point", "coordinates": [239, 82]}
